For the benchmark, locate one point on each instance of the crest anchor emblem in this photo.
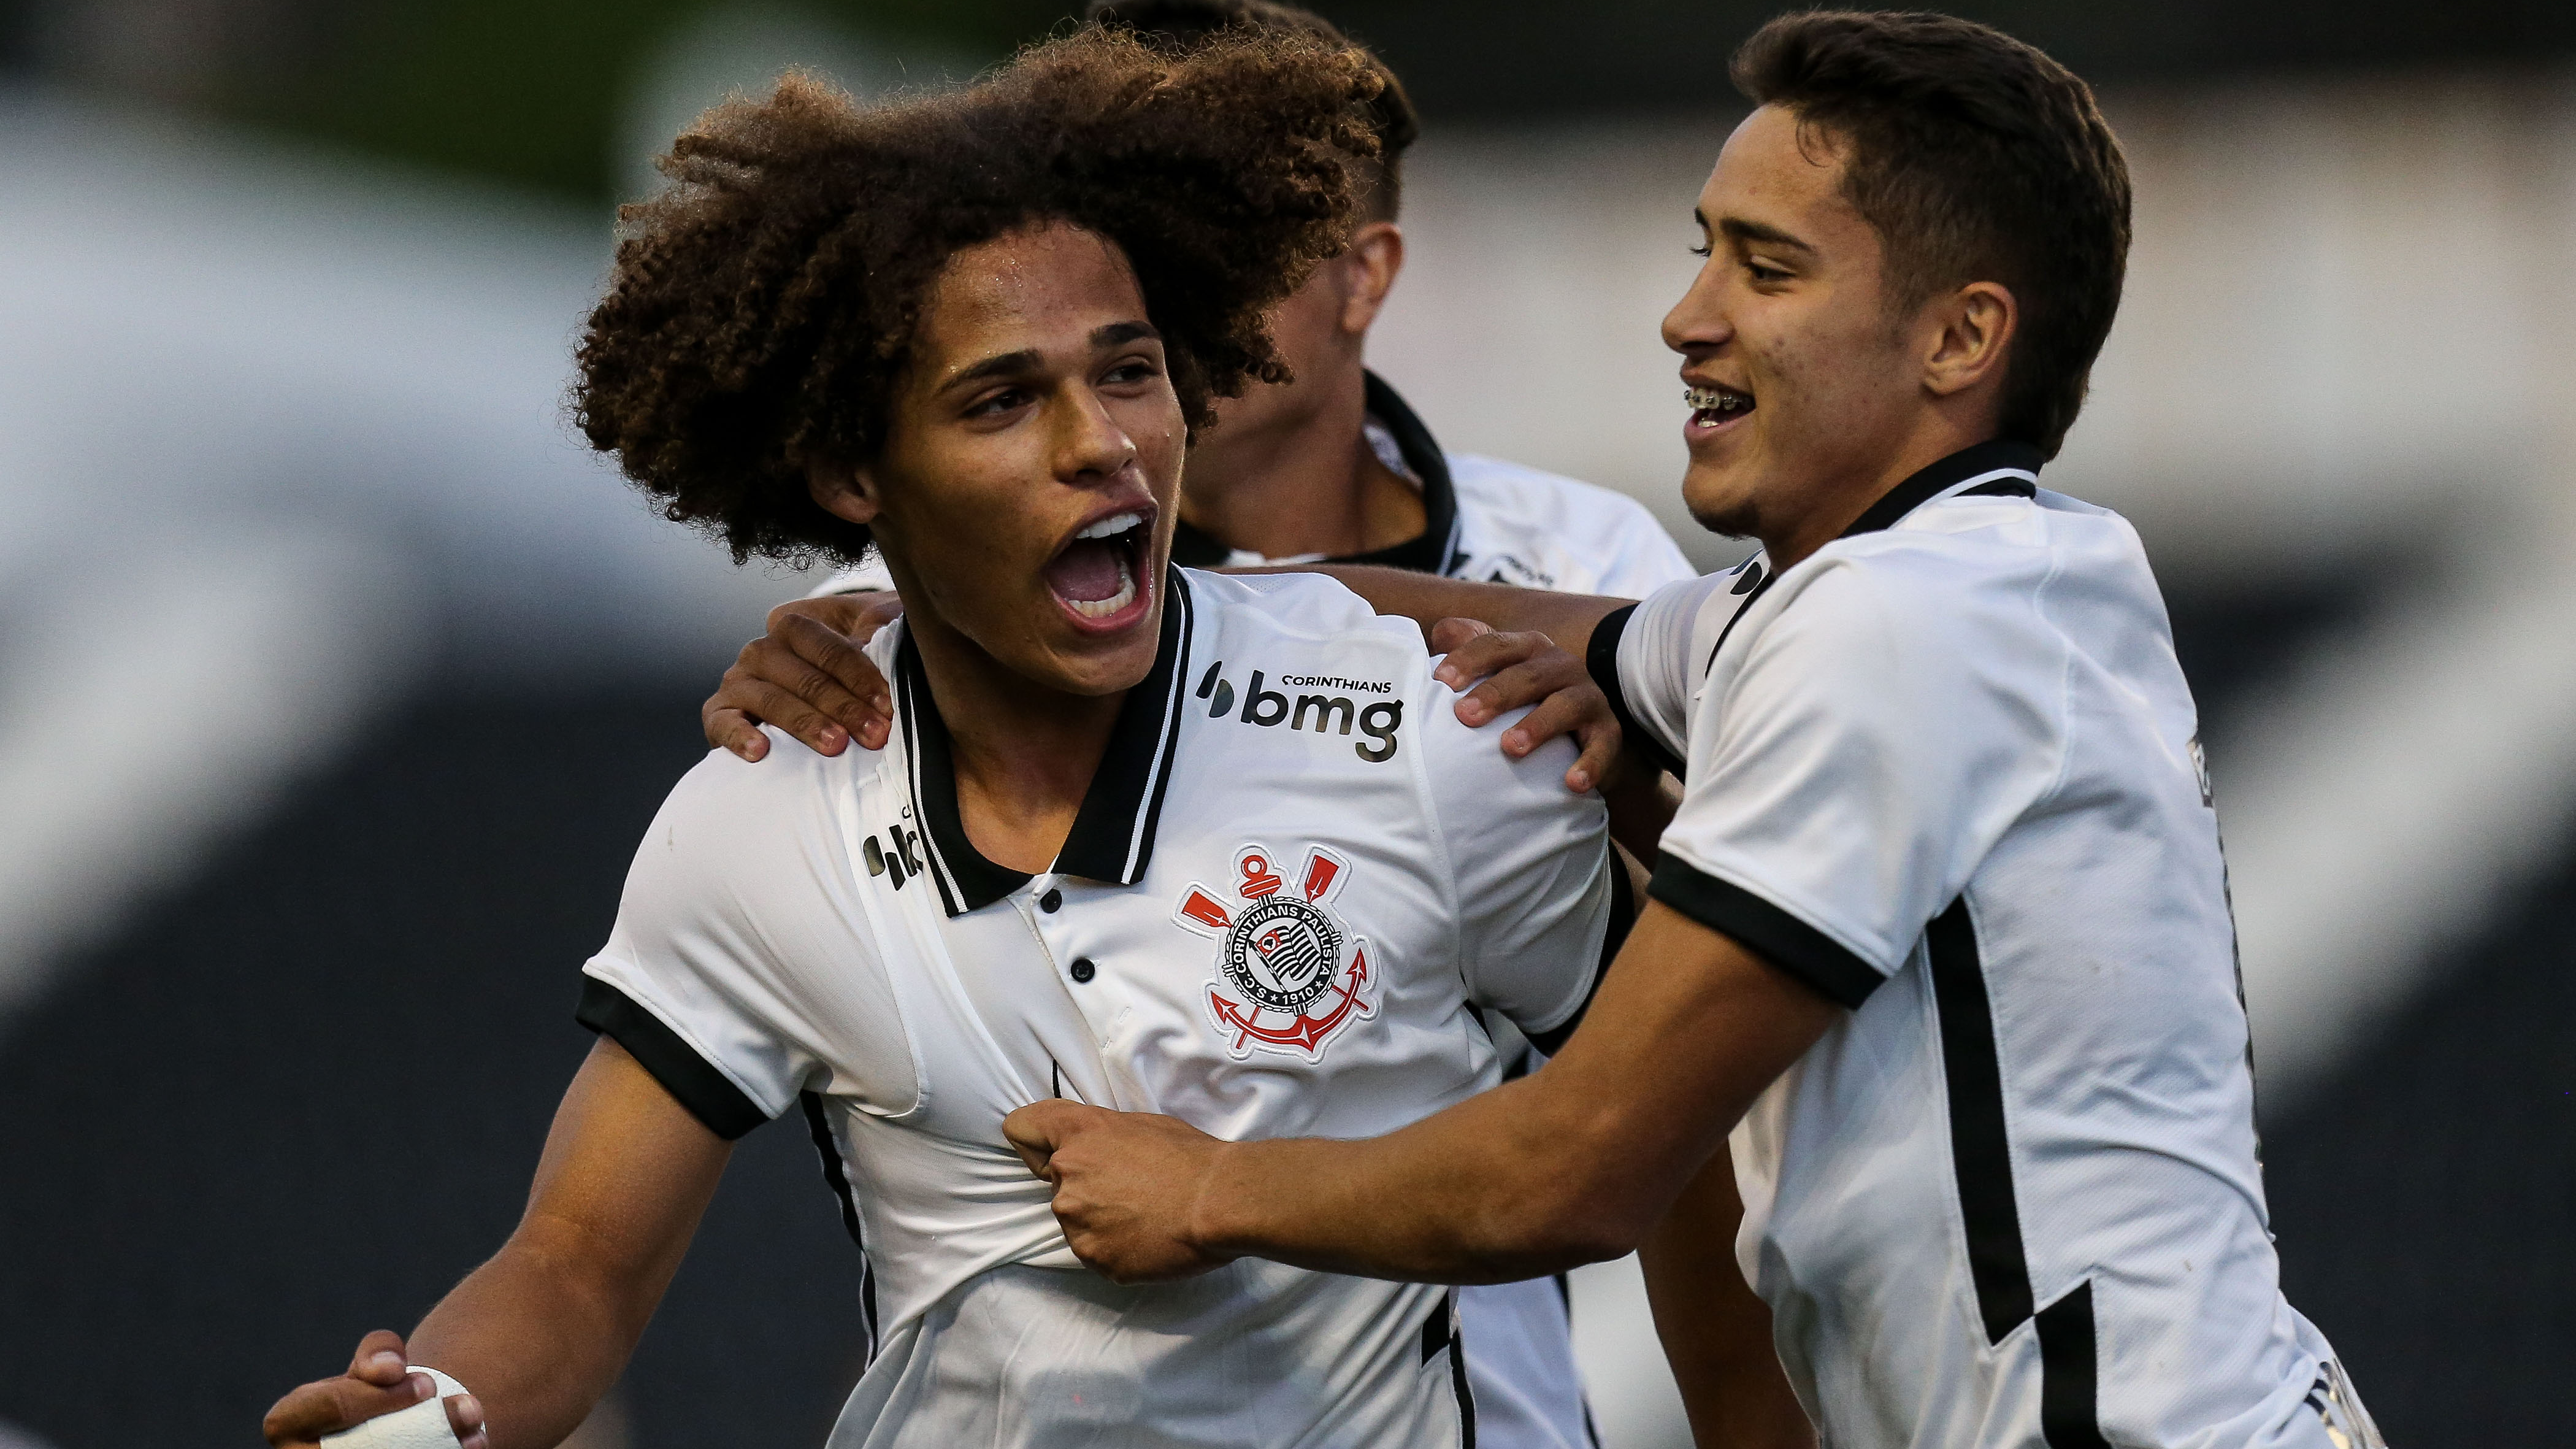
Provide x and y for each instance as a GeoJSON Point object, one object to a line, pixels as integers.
{"type": "Point", "coordinates": [1283, 983]}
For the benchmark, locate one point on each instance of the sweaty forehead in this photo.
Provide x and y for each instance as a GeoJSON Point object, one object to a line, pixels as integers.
{"type": "Point", "coordinates": [1046, 287]}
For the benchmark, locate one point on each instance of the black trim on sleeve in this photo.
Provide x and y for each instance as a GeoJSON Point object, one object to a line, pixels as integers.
{"type": "Point", "coordinates": [2069, 1412]}
{"type": "Point", "coordinates": [1623, 914]}
{"type": "Point", "coordinates": [1980, 1146]}
{"type": "Point", "coordinates": [1777, 936]}
{"type": "Point", "coordinates": [1601, 661]}
{"type": "Point", "coordinates": [691, 1079]}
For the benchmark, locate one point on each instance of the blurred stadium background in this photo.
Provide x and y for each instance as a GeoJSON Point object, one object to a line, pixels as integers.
{"type": "Point", "coordinates": [336, 678]}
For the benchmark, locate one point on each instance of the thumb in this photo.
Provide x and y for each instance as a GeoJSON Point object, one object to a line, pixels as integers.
{"type": "Point", "coordinates": [1448, 634]}
{"type": "Point", "coordinates": [1034, 1131]}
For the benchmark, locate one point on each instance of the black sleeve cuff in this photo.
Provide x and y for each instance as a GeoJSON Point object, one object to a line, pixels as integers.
{"type": "Point", "coordinates": [1601, 661]}
{"type": "Point", "coordinates": [1623, 914]}
{"type": "Point", "coordinates": [1778, 937]}
{"type": "Point", "coordinates": [709, 1095]}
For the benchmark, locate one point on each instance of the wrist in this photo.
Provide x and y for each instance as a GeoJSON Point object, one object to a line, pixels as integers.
{"type": "Point", "coordinates": [1220, 1225]}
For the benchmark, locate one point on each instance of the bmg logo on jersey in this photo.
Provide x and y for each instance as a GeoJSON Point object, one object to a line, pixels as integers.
{"type": "Point", "coordinates": [1269, 708]}
{"type": "Point", "coordinates": [1290, 977]}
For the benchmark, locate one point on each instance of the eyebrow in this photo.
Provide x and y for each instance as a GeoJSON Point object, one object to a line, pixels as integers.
{"type": "Point", "coordinates": [1117, 332]}
{"type": "Point", "coordinates": [1738, 229]}
{"type": "Point", "coordinates": [1004, 364]}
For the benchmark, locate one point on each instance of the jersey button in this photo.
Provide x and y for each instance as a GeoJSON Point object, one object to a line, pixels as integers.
{"type": "Point", "coordinates": [1083, 970]}
{"type": "Point", "coordinates": [1051, 900]}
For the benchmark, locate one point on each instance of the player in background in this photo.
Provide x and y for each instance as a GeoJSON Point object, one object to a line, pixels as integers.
{"type": "Point", "coordinates": [1146, 836]}
{"type": "Point", "coordinates": [1330, 465]}
{"type": "Point", "coordinates": [1939, 945]}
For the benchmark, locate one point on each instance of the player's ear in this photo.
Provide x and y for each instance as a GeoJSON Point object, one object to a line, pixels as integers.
{"type": "Point", "coordinates": [1375, 255]}
{"type": "Point", "coordinates": [843, 491]}
{"type": "Point", "coordinates": [1971, 331]}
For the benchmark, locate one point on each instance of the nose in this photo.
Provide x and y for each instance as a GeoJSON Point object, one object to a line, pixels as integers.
{"type": "Point", "coordinates": [1697, 326]}
{"type": "Point", "coordinates": [1090, 445]}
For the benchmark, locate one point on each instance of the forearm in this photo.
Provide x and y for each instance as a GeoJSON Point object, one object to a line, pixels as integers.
{"type": "Point", "coordinates": [1501, 1187]}
{"type": "Point", "coordinates": [1572, 1164]}
{"type": "Point", "coordinates": [1716, 1331]}
{"type": "Point", "coordinates": [1566, 619]}
{"type": "Point", "coordinates": [542, 1330]}
{"type": "Point", "coordinates": [536, 1335]}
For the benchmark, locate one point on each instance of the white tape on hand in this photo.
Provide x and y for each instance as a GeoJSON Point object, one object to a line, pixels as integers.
{"type": "Point", "coordinates": [422, 1426]}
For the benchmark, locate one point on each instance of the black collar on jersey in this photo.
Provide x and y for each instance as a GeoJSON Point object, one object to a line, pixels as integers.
{"type": "Point", "coordinates": [1950, 472]}
{"type": "Point", "coordinates": [1113, 832]}
{"type": "Point", "coordinates": [1755, 576]}
{"type": "Point", "coordinates": [1433, 551]}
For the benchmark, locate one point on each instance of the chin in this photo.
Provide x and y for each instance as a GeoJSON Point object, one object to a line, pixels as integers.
{"type": "Point", "coordinates": [1720, 500]}
{"type": "Point", "coordinates": [1096, 666]}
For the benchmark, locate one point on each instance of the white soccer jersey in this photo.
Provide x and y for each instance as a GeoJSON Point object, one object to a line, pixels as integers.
{"type": "Point", "coordinates": [1946, 771]}
{"type": "Point", "coordinates": [1483, 519]}
{"type": "Point", "coordinates": [1296, 884]}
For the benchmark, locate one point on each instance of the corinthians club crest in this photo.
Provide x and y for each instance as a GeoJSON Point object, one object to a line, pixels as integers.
{"type": "Point", "coordinates": [1289, 977]}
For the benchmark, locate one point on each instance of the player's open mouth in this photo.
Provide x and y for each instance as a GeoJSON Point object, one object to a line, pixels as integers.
{"type": "Point", "coordinates": [1099, 575]}
{"type": "Point", "coordinates": [1713, 407]}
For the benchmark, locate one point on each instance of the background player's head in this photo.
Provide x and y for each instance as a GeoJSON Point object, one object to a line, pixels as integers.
{"type": "Point", "coordinates": [1321, 330]}
{"type": "Point", "coordinates": [974, 327]}
{"type": "Point", "coordinates": [1924, 221]}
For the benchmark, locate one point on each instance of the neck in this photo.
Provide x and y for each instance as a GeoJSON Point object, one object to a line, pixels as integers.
{"type": "Point", "coordinates": [1830, 509]}
{"type": "Point", "coordinates": [1303, 482]}
{"type": "Point", "coordinates": [1024, 753]}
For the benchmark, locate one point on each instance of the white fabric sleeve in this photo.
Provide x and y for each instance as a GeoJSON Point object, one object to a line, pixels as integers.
{"type": "Point", "coordinates": [1542, 903]}
{"type": "Point", "coordinates": [727, 940]}
{"type": "Point", "coordinates": [868, 575]}
{"type": "Point", "coordinates": [1884, 729]}
{"type": "Point", "coordinates": [1643, 558]}
{"type": "Point", "coordinates": [1640, 656]}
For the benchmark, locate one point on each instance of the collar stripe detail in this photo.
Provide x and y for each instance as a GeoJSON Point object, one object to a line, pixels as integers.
{"type": "Point", "coordinates": [1112, 839]}
{"type": "Point", "coordinates": [1973, 466]}
{"type": "Point", "coordinates": [1140, 846]}
{"type": "Point", "coordinates": [1112, 835]}
{"type": "Point", "coordinates": [922, 739]}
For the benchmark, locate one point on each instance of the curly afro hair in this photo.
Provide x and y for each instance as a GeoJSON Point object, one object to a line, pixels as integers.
{"type": "Point", "coordinates": [762, 309]}
{"type": "Point", "coordinates": [1184, 23]}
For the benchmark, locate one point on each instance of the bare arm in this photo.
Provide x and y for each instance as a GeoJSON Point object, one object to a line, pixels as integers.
{"type": "Point", "coordinates": [541, 1331]}
{"type": "Point", "coordinates": [809, 676]}
{"type": "Point", "coordinates": [1716, 1331]}
{"type": "Point", "coordinates": [1573, 1164]}
{"type": "Point", "coordinates": [1566, 619]}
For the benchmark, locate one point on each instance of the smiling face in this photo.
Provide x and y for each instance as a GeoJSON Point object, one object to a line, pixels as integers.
{"type": "Point", "coordinates": [1024, 495]}
{"type": "Point", "coordinates": [1802, 385]}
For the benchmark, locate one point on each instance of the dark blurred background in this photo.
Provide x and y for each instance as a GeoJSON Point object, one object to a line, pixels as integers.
{"type": "Point", "coordinates": [337, 680]}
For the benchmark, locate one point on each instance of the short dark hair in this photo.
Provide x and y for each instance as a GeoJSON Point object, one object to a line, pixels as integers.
{"type": "Point", "coordinates": [762, 309]}
{"type": "Point", "coordinates": [1188, 22]}
{"type": "Point", "coordinates": [1977, 158]}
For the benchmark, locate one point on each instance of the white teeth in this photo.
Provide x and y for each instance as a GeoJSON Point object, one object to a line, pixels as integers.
{"type": "Point", "coordinates": [1112, 526]}
{"type": "Point", "coordinates": [1715, 400]}
{"type": "Point", "coordinates": [1103, 608]}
